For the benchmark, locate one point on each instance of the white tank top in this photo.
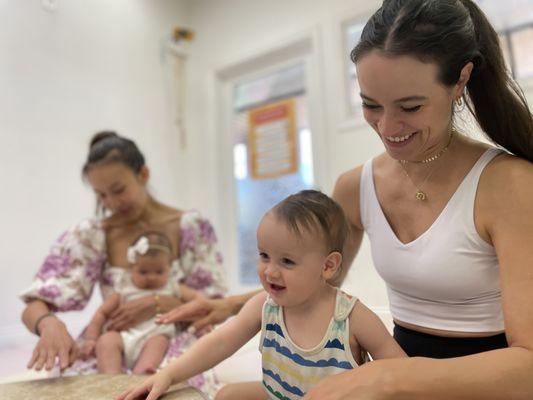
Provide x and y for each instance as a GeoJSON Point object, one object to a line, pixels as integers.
{"type": "Point", "coordinates": [447, 278]}
{"type": "Point", "coordinates": [290, 371]}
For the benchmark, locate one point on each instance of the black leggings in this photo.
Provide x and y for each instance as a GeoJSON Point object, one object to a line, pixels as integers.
{"type": "Point", "coordinates": [417, 344]}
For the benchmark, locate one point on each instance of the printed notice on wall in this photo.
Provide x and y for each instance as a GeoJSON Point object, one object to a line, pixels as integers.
{"type": "Point", "coordinates": [273, 140]}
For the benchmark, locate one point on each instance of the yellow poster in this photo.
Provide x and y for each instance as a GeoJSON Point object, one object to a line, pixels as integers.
{"type": "Point", "coordinates": [273, 141]}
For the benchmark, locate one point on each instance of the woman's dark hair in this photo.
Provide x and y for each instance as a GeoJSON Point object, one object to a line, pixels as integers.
{"type": "Point", "coordinates": [452, 33]}
{"type": "Point", "coordinates": [108, 146]}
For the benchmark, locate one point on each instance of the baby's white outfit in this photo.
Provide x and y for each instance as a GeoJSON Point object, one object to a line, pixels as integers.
{"type": "Point", "coordinates": [135, 337]}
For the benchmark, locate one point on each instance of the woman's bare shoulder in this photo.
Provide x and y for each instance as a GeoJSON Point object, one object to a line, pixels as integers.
{"type": "Point", "coordinates": [506, 171]}
{"type": "Point", "coordinates": [348, 179]}
{"type": "Point", "coordinates": [505, 187]}
{"type": "Point", "coordinates": [346, 193]}
{"type": "Point", "coordinates": [347, 185]}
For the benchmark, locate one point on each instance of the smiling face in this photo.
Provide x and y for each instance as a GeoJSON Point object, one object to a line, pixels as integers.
{"type": "Point", "coordinates": [405, 104]}
{"type": "Point", "coordinates": [151, 271]}
{"type": "Point", "coordinates": [119, 189]}
{"type": "Point", "coordinates": [292, 268]}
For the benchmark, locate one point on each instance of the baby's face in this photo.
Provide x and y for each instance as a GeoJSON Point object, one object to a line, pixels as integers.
{"type": "Point", "coordinates": [151, 272]}
{"type": "Point", "coordinates": [290, 266]}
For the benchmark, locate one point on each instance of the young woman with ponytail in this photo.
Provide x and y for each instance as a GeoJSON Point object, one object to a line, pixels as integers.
{"type": "Point", "coordinates": [449, 218]}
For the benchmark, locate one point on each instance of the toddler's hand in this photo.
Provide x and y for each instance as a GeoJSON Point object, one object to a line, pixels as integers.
{"type": "Point", "coordinates": [87, 349]}
{"type": "Point", "coordinates": [155, 386]}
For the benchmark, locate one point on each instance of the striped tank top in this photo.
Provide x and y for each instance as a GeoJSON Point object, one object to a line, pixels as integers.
{"type": "Point", "coordinates": [290, 371]}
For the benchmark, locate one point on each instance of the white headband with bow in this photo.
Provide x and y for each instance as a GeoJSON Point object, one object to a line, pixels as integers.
{"type": "Point", "coordinates": [141, 247]}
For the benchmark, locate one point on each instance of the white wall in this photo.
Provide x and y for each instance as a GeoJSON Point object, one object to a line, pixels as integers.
{"type": "Point", "coordinates": [64, 75]}
{"type": "Point", "coordinates": [231, 31]}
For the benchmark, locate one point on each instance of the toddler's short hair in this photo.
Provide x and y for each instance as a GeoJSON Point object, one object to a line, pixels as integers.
{"type": "Point", "coordinates": [316, 213]}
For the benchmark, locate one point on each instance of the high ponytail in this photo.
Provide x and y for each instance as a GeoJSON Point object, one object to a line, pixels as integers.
{"type": "Point", "coordinates": [452, 33]}
{"type": "Point", "coordinates": [494, 97]}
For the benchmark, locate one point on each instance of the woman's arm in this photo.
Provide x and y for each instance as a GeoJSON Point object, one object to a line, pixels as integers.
{"type": "Point", "coordinates": [55, 341]}
{"type": "Point", "coordinates": [36, 311]}
{"type": "Point", "coordinates": [204, 312]}
{"type": "Point", "coordinates": [372, 335]}
{"type": "Point", "coordinates": [206, 352]}
{"type": "Point", "coordinates": [64, 282]}
{"type": "Point", "coordinates": [135, 311]}
{"type": "Point", "coordinates": [200, 259]}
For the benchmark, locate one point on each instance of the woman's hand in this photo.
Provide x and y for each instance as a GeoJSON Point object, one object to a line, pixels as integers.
{"type": "Point", "coordinates": [155, 386]}
{"type": "Point", "coordinates": [203, 312]}
{"type": "Point", "coordinates": [134, 312]}
{"type": "Point", "coordinates": [371, 381]}
{"type": "Point", "coordinates": [55, 341]}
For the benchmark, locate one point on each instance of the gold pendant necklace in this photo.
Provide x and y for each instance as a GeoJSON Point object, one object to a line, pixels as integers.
{"type": "Point", "coordinates": [420, 194]}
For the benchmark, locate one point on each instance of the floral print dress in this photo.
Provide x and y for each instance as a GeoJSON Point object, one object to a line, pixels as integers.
{"type": "Point", "coordinates": [78, 260]}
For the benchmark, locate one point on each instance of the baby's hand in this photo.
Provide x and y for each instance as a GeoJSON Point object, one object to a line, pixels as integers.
{"type": "Point", "coordinates": [87, 349]}
{"type": "Point", "coordinates": [155, 386]}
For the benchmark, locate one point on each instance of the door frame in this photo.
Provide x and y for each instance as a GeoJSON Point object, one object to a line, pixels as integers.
{"type": "Point", "coordinates": [303, 47]}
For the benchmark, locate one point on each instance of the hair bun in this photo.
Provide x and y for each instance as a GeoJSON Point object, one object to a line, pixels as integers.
{"type": "Point", "coordinates": [100, 136]}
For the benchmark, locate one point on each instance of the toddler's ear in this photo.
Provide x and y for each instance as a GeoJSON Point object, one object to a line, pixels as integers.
{"type": "Point", "coordinates": [332, 265]}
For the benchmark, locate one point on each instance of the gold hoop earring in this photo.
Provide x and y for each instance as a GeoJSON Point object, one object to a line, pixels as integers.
{"type": "Point", "coordinates": [459, 101]}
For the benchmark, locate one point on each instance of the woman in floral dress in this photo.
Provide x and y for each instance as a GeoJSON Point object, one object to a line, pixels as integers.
{"type": "Point", "coordinates": [83, 255]}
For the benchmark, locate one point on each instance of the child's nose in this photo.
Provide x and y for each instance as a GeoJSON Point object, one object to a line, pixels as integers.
{"type": "Point", "coordinates": [272, 270]}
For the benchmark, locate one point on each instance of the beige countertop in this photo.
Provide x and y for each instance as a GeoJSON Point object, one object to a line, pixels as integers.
{"type": "Point", "coordinates": [90, 387]}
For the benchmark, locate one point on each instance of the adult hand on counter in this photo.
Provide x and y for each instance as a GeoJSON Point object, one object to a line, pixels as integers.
{"type": "Point", "coordinates": [55, 342]}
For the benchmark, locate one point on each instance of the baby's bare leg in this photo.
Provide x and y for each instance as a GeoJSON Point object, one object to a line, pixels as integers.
{"type": "Point", "coordinates": [152, 354]}
{"type": "Point", "coordinates": [109, 348]}
{"type": "Point", "coordinates": [242, 391]}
